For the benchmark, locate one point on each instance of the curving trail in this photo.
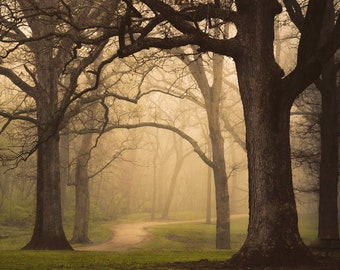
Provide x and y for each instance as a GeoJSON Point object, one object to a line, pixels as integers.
{"type": "Point", "coordinates": [125, 236]}
{"type": "Point", "coordinates": [129, 235]}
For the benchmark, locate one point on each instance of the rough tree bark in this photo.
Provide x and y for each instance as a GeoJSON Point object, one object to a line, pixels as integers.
{"type": "Point", "coordinates": [328, 186]}
{"type": "Point", "coordinates": [273, 234]}
{"type": "Point", "coordinates": [48, 231]}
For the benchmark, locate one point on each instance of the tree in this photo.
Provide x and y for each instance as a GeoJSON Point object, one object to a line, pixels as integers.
{"type": "Point", "coordinates": [267, 96]}
{"type": "Point", "coordinates": [212, 96]}
{"type": "Point", "coordinates": [180, 158]}
{"type": "Point", "coordinates": [160, 156]}
{"type": "Point", "coordinates": [329, 150]}
{"type": "Point", "coordinates": [90, 119]}
{"type": "Point", "coordinates": [49, 34]}
{"type": "Point", "coordinates": [82, 181]}
{"type": "Point", "coordinates": [82, 195]}
{"type": "Point", "coordinates": [82, 210]}
{"type": "Point", "coordinates": [329, 172]}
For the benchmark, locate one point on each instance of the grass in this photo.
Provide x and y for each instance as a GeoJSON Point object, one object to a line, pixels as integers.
{"type": "Point", "coordinates": [151, 255]}
{"type": "Point", "coordinates": [169, 243]}
{"type": "Point", "coordinates": [308, 226]}
{"type": "Point", "coordinates": [137, 259]}
{"type": "Point", "coordinates": [16, 239]}
{"type": "Point", "coordinates": [99, 232]}
{"type": "Point", "coordinates": [193, 236]}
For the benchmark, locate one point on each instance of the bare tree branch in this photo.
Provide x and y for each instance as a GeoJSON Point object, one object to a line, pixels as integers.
{"type": "Point", "coordinates": [185, 136]}
{"type": "Point", "coordinates": [17, 116]}
{"type": "Point", "coordinates": [311, 57]}
{"type": "Point", "coordinates": [295, 12]}
{"type": "Point", "coordinates": [114, 157]}
{"type": "Point", "coordinates": [30, 90]}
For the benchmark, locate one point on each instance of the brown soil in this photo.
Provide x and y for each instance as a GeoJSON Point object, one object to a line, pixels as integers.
{"type": "Point", "coordinates": [125, 236]}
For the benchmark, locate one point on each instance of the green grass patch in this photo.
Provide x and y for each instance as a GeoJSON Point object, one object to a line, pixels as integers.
{"type": "Point", "coordinates": [198, 244]}
{"type": "Point", "coordinates": [99, 232]}
{"type": "Point", "coordinates": [14, 238]}
{"type": "Point", "coordinates": [102, 260]}
{"type": "Point", "coordinates": [308, 227]}
{"type": "Point", "coordinates": [193, 236]}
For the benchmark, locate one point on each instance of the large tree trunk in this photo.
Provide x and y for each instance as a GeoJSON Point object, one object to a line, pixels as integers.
{"type": "Point", "coordinates": [328, 189]}
{"type": "Point", "coordinates": [273, 234]}
{"type": "Point", "coordinates": [273, 238]}
{"type": "Point", "coordinates": [48, 231]}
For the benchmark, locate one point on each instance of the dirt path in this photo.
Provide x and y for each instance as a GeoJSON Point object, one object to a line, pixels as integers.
{"type": "Point", "coordinates": [125, 236]}
{"type": "Point", "coordinates": [129, 235]}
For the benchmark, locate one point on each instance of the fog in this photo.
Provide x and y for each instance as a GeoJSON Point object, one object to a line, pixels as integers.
{"type": "Point", "coordinates": [146, 139]}
{"type": "Point", "coordinates": [131, 170]}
